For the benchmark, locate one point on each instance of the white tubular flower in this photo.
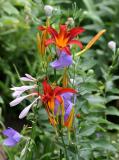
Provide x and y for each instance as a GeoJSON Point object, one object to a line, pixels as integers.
{"type": "Point", "coordinates": [19, 90]}
{"type": "Point", "coordinates": [112, 45]}
{"type": "Point", "coordinates": [48, 10]}
{"type": "Point", "coordinates": [20, 99]}
{"type": "Point", "coordinates": [28, 78]}
{"type": "Point", "coordinates": [23, 88]}
{"type": "Point", "coordinates": [16, 94]}
{"type": "Point", "coordinates": [26, 110]}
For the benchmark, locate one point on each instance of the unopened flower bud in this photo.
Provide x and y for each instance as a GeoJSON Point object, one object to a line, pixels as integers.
{"type": "Point", "coordinates": [90, 71]}
{"type": "Point", "coordinates": [48, 10]}
{"type": "Point", "coordinates": [112, 45]}
{"type": "Point", "coordinates": [70, 21]}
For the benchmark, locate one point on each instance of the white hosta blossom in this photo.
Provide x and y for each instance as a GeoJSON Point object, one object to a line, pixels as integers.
{"type": "Point", "coordinates": [112, 45]}
{"type": "Point", "coordinates": [25, 111]}
{"type": "Point", "coordinates": [19, 90]}
{"type": "Point", "coordinates": [28, 78]}
{"type": "Point", "coordinates": [16, 93]}
{"type": "Point", "coordinates": [18, 100]}
{"type": "Point", "coordinates": [48, 10]}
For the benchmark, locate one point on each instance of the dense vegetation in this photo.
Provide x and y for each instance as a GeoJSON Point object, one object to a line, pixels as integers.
{"type": "Point", "coordinates": [95, 133]}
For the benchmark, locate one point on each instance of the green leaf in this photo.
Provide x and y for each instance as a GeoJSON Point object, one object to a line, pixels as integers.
{"type": "Point", "coordinates": [88, 130]}
{"type": "Point", "coordinates": [10, 9]}
{"type": "Point", "coordinates": [112, 126]}
{"type": "Point", "coordinates": [86, 153]}
{"type": "Point", "coordinates": [88, 64]}
{"type": "Point", "coordinates": [17, 158]}
{"type": "Point", "coordinates": [6, 20]}
{"type": "Point", "coordinates": [88, 86]}
{"type": "Point", "coordinates": [95, 99]}
{"type": "Point", "coordinates": [103, 145]}
{"type": "Point", "coordinates": [84, 107]}
{"type": "Point", "coordinates": [1, 100]}
{"type": "Point", "coordinates": [111, 98]}
{"type": "Point", "coordinates": [21, 2]}
{"type": "Point", "coordinates": [112, 111]}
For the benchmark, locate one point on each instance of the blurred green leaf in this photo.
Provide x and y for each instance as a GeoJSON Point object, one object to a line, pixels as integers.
{"type": "Point", "coordinates": [9, 8]}
{"type": "Point", "coordinates": [88, 130]}
{"type": "Point", "coordinates": [103, 145]}
{"type": "Point", "coordinates": [112, 111]}
{"type": "Point", "coordinates": [111, 98]}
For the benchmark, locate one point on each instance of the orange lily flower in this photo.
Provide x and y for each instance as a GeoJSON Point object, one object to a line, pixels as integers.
{"type": "Point", "coordinates": [57, 100]}
{"type": "Point", "coordinates": [52, 93]}
{"type": "Point", "coordinates": [64, 38]}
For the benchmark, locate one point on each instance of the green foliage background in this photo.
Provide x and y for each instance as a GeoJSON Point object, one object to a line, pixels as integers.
{"type": "Point", "coordinates": [97, 74]}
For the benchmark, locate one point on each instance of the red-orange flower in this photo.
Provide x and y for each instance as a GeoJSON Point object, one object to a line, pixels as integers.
{"type": "Point", "coordinates": [64, 38]}
{"type": "Point", "coordinates": [57, 101]}
{"type": "Point", "coordinates": [52, 93]}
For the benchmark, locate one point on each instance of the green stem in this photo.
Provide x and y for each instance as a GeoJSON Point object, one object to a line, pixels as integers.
{"type": "Point", "coordinates": [76, 147]}
{"type": "Point", "coordinates": [55, 74]}
{"type": "Point", "coordinates": [74, 75]}
{"type": "Point", "coordinates": [64, 145]}
{"type": "Point", "coordinates": [61, 135]}
{"type": "Point", "coordinates": [114, 58]}
{"type": "Point", "coordinates": [60, 154]}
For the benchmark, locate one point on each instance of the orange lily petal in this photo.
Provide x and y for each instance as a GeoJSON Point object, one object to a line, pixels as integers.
{"type": "Point", "coordinates": [75, 31]}
{"type": "Point", "coordinates": [59, 98]}
{"type": "Point", "coordinates": [69, 121]}
{"type": "Point", "coordinates": [64, 90]}
{"type": "Point", "coordinates": [53, 32]}
{"type": "Point", "coordinates": [41, 28]}
{"type": "Point", "coordinates": [76, 42]}
{"type": "Point", "coordinates": [67, 50]}
{"type": "Point", "coordinates": [63, 31]}
{"type": "Point", "coordinates": [51, 104]}
{"type": "Point", "coordinates": [49, 41]}
{"type": "Point", "coordinates": [46, 87]}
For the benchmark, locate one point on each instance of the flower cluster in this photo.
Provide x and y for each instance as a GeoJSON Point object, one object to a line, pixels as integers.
{"type": "Point", "coordinates": [58, 101]}
{"type": "Point", "coordinates": [62, 41]}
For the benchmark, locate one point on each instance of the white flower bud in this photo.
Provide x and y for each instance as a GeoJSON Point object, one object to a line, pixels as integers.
{"type": "Point", "coordinates": [48, 10]}
{"type": "Point", "coordinates": [70, 21]}
{"type": "Point", "coordinates": [28, 77]}
{"type": "Point", "coordinates": [112, 45]}
{"type": "Point", "coordinates": [26, 110]}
